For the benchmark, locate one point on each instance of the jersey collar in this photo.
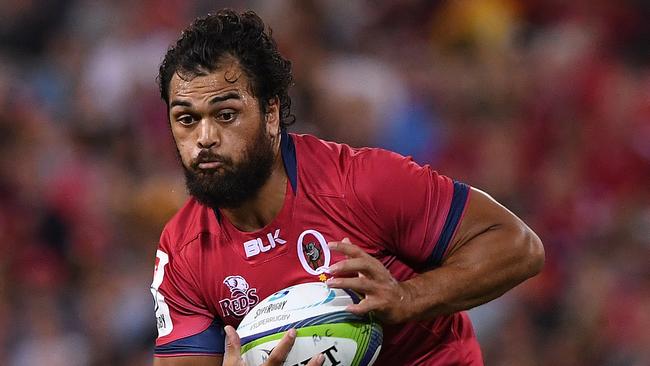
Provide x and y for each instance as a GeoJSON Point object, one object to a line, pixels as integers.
{"type": "Point", "coordinates": [288, 151]}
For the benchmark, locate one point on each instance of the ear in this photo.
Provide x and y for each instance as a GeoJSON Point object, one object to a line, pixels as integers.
{"type": "Point", "coordinates": [272, 117]}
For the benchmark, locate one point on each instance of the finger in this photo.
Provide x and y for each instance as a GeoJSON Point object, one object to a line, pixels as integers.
{"type": "Point", "coordinates": [232, 354]}
{"type": "Point", "coordinates": [362, 308]}
{"type": "Point", "coordinates": [359, 284]}
{"type": "Point", "coordinates": [347, 248]}
{"type": "Point", "coordinates": [366, 265]}
{"type": "Point", "coordinates": [317, 360]}
{"type": "Point", "coordinates": [280, 352]}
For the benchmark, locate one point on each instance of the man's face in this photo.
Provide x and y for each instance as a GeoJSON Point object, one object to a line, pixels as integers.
{"type": "Point", "coordinates": [226, 144]}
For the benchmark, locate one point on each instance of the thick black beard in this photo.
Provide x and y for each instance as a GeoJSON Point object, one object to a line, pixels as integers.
{"type": "Point", "coordinates": [234, 184]}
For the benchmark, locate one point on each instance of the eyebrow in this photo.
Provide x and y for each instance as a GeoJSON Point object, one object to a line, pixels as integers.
{"type": "Point", "coordinates": [181, 103]}
{"type": "Point", "coordinates": [221, 98]}
{"type": "Point", "coordinates": [217, 99]}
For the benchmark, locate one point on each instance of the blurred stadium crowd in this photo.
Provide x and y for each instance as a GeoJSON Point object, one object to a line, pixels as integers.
{"type": "Point", "coordinates": [543, 103]}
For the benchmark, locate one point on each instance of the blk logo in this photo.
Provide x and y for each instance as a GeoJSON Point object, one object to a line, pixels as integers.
{"type": "Point", "coordinates": [256, 246]}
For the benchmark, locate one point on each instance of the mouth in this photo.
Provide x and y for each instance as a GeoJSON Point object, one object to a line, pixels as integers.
{"type": "Point", "coordinates": [210, 165]}
{"type": "Point", "coordinates": [208, 161]}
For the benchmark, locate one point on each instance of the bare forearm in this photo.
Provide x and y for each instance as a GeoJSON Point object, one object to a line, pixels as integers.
{"type": "Point", "coordinates": [479, 271]}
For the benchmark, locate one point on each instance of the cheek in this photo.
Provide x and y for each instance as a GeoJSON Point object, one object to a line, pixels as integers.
{"type": "Point", "coordinates": [186, 153]}
{"type": "Point", "coordinates": [233, 146]}
{"type": "Point", "coordinates": [184, 146]}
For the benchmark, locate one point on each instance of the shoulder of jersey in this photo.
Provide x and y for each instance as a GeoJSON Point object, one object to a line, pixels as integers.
{"type": "Point", "coordinates": [325, 161]}
{"type": "Point", "coordinates": [322, 160]}
{"type": "Point", "coordinates": [189, 221]}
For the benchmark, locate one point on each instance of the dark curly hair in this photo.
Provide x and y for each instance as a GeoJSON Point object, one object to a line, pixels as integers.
{"type": "Point", "coordinates": [227, 33]}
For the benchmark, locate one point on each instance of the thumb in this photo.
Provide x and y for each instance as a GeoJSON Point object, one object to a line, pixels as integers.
{"type": "Point", "coordinates": [232, 355]}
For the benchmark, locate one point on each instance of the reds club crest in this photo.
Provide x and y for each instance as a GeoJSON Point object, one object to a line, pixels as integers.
{"type": "Point", "coordinates": [313, 255]}
{"type": "Point", "coordinates": [313, 252]}
{"type": "Point", "coordinates": [242, 297]}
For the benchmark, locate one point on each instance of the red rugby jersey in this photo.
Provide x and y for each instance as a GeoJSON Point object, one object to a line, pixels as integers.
{"type": "Point", "coordinates": [208, 273]}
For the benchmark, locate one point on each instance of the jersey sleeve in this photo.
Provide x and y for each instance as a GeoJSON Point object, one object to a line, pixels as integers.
{"type": "Point", "coordinates": [409, 209]}
{"type": "Point", "coordinates": [185, 326]}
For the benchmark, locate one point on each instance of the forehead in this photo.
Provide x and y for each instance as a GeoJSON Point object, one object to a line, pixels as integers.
{"type": "Point", "coordinates": [226, 77]}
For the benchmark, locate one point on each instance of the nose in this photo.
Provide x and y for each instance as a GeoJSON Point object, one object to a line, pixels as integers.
{"type": "Point", "coordinates": [208, 134]}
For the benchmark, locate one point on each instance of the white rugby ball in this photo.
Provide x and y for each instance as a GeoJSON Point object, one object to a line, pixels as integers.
{"type": "Point", "coordinates": [322, 325]}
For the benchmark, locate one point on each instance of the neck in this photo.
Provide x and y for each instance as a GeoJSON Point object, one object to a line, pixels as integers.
{"type": "Point", "coordinates": [260, 210]}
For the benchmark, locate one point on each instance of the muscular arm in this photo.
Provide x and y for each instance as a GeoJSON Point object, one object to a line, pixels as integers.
{"type": "Point", "coordinates": [188, 361]}
{"type": "Point", "coordinates": [491, 252]}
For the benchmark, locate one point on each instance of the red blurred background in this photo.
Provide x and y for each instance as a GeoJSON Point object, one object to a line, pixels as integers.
{"type": "Point", "coordinates": [543, 103]}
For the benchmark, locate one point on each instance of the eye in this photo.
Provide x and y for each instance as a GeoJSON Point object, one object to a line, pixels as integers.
{"type": "Point", "coordinates": [185, 119]}
{"type": "Point", "coordinates": [227, 115]}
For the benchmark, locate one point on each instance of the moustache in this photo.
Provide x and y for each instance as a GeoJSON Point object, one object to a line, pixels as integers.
{"type": "Point", "coordinates": [206, 156]}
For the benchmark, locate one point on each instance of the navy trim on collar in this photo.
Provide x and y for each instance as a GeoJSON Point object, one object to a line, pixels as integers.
{"type": "Point", "coordinates": [288, 150]}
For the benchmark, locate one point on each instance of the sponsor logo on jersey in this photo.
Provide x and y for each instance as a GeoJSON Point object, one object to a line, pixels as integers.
{"type": "Point", "coordinates": [313, 252]}
{"type": "Point", "coordinates": [242, 297]}
{"type": "Point", "coordinates": [163, 317]}
{"type": "Point", "coordinates": [256, 246]}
